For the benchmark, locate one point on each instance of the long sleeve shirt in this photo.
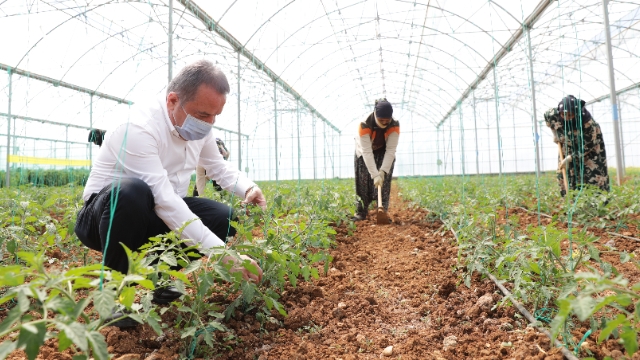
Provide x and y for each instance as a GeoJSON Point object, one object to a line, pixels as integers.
{"type": "Point", "coordinates": [371, 137]}
{"type": "Point", "coordinates": [149, 148]}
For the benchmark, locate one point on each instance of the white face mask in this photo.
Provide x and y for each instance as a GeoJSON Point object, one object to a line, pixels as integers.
{"type": "Point", "coordinates": [378, 123]}
{"type": "Point", "coordinates": [192, 128]}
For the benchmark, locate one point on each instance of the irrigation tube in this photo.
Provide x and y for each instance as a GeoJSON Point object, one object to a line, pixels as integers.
{"type": "Point", "coordinates": [532, 321]}
{"type": "Point", "coordinates": [576, 224]}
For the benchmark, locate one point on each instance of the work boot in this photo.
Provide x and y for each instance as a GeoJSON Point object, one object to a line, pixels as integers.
{"type": "Point", "coordinates": [165, 295]}
{"type": "Point", "coordinates": [124, 323]}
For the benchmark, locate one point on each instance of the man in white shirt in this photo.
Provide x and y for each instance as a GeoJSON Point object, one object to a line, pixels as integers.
{"type": "Point", "coordinates": [138, 184]}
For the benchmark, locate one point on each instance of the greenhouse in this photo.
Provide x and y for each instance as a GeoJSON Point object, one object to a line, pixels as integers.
{"type": "Point", "coordinates": [318, 179]}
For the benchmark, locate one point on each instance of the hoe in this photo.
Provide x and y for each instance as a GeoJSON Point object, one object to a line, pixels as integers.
{"type": "Point", "coordinates": [383, 218]}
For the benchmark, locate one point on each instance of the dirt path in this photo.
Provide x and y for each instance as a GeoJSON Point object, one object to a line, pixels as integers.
{"type": "Point", "coordinates": [396, 286]}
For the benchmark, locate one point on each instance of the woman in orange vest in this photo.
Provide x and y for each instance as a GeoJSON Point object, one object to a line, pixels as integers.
{"type": "Point", "coordinates": [375, 157]}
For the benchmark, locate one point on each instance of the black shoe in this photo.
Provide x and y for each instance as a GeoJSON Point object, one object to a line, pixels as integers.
{"type": "Point", "coordinates": [358, 217]}
{"type": "Point", "coordinates": [165, 295]}
{"type": "Point", "coordinates": [124, 323]}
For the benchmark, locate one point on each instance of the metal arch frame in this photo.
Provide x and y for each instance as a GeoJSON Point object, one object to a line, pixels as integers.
{"type": "Point", "coordinates": [528, 22]}
{"type": "Point", "coordinates": [212, 25]}
{"type": "Point", "coordinates": [369, 53]}
{"type": "Point", "coordinates": [333, 33]}
{"type": "Point", "coordinates": [413, 105]}
{"type": "Point", "coordinates": [312, 45]}
{"type": "Point", "coordinates": [63, 84]}
{"type": "Point", "coordinates": [444, 67]}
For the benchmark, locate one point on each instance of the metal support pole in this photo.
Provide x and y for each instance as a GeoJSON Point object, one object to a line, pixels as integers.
{"type": "Point", "coordinates": [239, 132]}
{"type": "Point", "coordinates": [333, 156]}
{"type": "Point", "coordinates": [298, 127]}
{"type": "Point", "coordinates": [66, 143]}
{"type": "Point", "coordinates": [8, 171]}
{"type": "Point", "coordinates": [624, 165]}
{"type": "Point", "coordinates": [451, 144]}
{"type": "Point", "coordinates": [170, 40]}
{"type": "Point", "coordinates": [293, 167]}
{"type": "Point", "coordinates": [489, 138]}
{"type": "Point", "coordinates": [91, 126]}
{"type": "Point", "coordinates": [339, 156]}
{"type": "Point", "coordinates": [313, 126]}
{"type": "Point", "coordinates": [275, 124]}
{"type": "Point", "coordinates": [495, 85]}
{"type": "Point", "coordinates": [438, 162]}
{"type": "Point", "coordinates": [324, 147]}
{"type": "Point", "coordinates": [462, 158]}
{"type": "Point", "coordinates": [475, 127]}
{"type": "Point", "coordinates": [246, 152]}
{"type": "Point", "coordinates": [536, 134]}
{"type": "Point", "coordinates": [515, 144]}
{"type": "Point", "coordinates": [612, 88]}
{"type": "Point", "coordinates": [413, 148]}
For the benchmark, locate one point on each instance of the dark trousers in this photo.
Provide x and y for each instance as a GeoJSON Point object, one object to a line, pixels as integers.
{"type": "Point", "coordinates": [364, 184]}
{"type": "Point", "coordinates": [133, 220]}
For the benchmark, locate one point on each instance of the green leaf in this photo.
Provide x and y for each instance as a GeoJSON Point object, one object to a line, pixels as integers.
{"type": "Point", "coordinates": [611, 325]}
{"type": "Point", "coordinates": [98, 345]}
{"type": "Point", "coordinates": [249, 266]}
{"type": "Point", "coordinates": [11, 276]}
{"type": "Point", "coordinates": [630, 340]}
{"type": "Point", "coordinates": [76, 333]}
{"type": "Point", "coordinates": [193, 266]}
{"type": "Point", "coordinates": [104, 301]}
{"type": "Point", "coordinates": [147, 284]}
{"type": "Point", "coordinates": [80, 357]}
{"type": "Point", "coordinates": [32, 341]}
{"type": "Point", "coordinates": [305, 273]}
{"type": "Point", "coordinates": [127, 296]}
{"type": "Point", "coordinates": [248, 292]}
{"type": "Point", "coordinates": [223, 273]}
{"type": "Point", "coordinates": [179, 275]}
{"type": "Point", "coordinates": [63, 341]}
{"type": "Point", "coordinates": [624, 257]}
{"type": "Point", "coordinates": [7, 348]}
{"type": "Point", "coordinates": [583, 307]}
{"type": "Point", "coordinates": [10, 320]}
{"type": "Point", "coordinates": [155, 325]}
{"type": "Point", "coordinates": [190, 331]}
{"type": "Point", "coordinates": [169, 259]}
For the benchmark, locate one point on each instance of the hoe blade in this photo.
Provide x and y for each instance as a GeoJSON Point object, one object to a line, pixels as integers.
{"type": "Point", "coordinates": [383, 218]}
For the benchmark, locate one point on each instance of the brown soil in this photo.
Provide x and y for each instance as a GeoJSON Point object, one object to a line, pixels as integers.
{"type": "Point", "coordinates": [396, 285]}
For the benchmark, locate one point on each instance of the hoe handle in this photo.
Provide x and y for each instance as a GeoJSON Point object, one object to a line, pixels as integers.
{"type": "Point", "coordinates": [379, 196]}
{"type": "Point", "coordinates": [564, 173]}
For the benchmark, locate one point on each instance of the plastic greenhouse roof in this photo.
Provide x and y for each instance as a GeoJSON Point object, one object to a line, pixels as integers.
{"type": "Point", "coordinates": [424, 56]}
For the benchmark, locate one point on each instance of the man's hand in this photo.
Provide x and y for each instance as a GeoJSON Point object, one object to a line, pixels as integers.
{"type": "Point", "coordinates": [255, 196]}
{"type": "Point", "coordinates": [238, 267]}
{"type": "Point", "coordinates": [565, 162]}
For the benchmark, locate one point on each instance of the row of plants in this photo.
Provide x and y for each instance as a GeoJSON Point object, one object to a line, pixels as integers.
{"type": "Point", "coordinates": [289, 241]}
{"type": "Point", "coordinates": [570, 281]}
{"type": "Point", "coordinates": [46, 177]}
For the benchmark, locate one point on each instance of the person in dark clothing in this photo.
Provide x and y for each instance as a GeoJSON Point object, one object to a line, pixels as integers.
{"type": "Point", "coordinates": [201, 174]}
{"type": "Point", "coordinates": [375, 157]}
{"type": "Point", "coordinates": [584, 158]}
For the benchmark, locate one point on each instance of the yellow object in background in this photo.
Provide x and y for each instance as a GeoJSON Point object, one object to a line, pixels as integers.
{"type": "Point", "coordinates": [47, 161]}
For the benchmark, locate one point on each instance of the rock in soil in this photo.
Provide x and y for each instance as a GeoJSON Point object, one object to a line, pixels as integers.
{"type": "Point", "coordinates": [388, 351]}
{"type": "Point", "coordinates": [450, 342]}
